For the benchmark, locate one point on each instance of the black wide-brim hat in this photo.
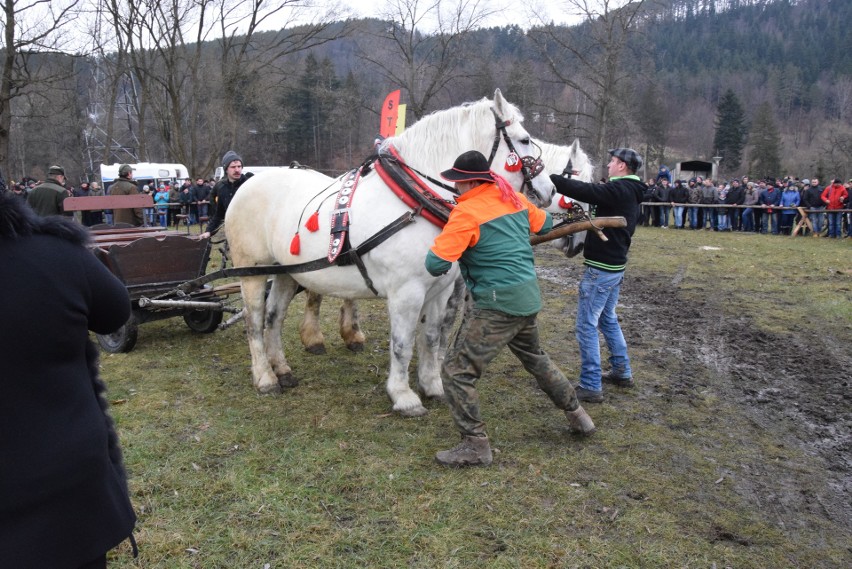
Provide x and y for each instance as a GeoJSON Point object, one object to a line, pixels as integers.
{"type": "Point", "coordinates": [470, 166]}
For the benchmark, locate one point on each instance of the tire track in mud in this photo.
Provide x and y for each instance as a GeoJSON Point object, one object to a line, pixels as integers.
{"type": "Point", "coordinates": [792, 385]}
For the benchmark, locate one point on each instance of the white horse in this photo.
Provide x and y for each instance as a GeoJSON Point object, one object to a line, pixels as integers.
{"type": "Point", "coordinates": [557, 158]}
{"type": "Point", "coordinates": [271, 207]}
{"type": "Point", "coordinates": [560, 159]}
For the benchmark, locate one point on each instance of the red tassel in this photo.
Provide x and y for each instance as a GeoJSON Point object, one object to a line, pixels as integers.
{"type": "Point", "coordinates": [513, 163]}
{"type": "Point", "coordinates": [565, 203]}
{"type": "Point", "coordinates": [313, 222]}
{"type": "Point", "coordinates": [295, 245]}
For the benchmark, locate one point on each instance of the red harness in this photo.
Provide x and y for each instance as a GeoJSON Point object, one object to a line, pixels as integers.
{"type": "Point", "coordinates": [414, 191]}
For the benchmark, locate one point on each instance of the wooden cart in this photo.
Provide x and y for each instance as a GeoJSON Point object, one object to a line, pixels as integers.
{"type": "Point", "coordinates": [153, 262]}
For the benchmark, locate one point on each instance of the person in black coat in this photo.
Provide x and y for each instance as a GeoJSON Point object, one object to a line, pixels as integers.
{"type": "Point", "coordinates": [64, 500]}
{"type": "Point", "coordinates": [224, 190]}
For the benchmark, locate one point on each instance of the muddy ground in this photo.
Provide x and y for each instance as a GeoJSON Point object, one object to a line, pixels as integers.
{"type": "Point", "coordinates": [804, 402]}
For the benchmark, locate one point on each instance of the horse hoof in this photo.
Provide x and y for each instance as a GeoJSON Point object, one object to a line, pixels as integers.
{"type": "Point", "coordinates": [440, 398]}
{"type": "Point", "coordinates": [418, 411]}
{"type": "Point", "coordinates": [355, 347]}
{"type": "Point", "coordinates": [269, 389]}
{"type": "Point", "coordinates": [316, 349]}
{"type": "Point", "coordinates": [287, 381]}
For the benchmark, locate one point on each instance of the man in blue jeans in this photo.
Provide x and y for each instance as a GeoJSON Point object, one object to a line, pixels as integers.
{"type": "Point", "coordinates": [605, 263]}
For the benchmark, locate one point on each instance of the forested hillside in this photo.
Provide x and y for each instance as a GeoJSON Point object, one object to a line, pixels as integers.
{"type": "Point", "coordinates": [648, 74]}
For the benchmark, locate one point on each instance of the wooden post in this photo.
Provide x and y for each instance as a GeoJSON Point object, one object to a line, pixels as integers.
{"type": "Point", "coordinates": [802, 222]}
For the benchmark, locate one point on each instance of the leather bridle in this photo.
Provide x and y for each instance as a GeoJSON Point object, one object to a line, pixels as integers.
{"type": "Point", "coordinates": [530, 166]}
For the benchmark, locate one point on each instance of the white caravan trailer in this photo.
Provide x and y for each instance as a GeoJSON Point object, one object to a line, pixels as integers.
{"type": "Point", "coordinates": [217, 175]}
{"type": "Point", "coordinates": [151, 173]}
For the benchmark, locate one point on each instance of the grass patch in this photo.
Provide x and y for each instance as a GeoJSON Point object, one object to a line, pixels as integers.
{"type": "Point", "coordinates": [325, 476]}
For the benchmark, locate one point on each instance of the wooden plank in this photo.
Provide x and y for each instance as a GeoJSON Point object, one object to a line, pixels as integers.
{"type": "Point", "coordinates": [151, 260]}
{"type": "Point", "coordinates": [120, 230]}
{"type": "Point", "coordinates": [90, 203]}
{"type": "Point", "coordinates": [132, 236]}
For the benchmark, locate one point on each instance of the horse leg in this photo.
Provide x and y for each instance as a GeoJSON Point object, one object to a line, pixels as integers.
{"type": "Point", "coordinates": [457, 299]}
{"type": "Point", "coordinates": [403, 310]}
{"type": "Point", "coordinates": [436, 320]}
{"type": "Point", "coordinates": [350, 330]}
{"type": "Point", "coordinates": [283, 290]}
{"type": "Point", "coordinates": [253, 294]}
{"type": "Point", "coordinates": [309, 330]}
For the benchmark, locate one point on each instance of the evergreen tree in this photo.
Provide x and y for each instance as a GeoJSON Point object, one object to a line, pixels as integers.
{"type": "Point", "coordinates": [653, 124]}
{"type": "Point", "coordinates": [308, 106]}
{"type": "Point", "coordinates": [765, 142]}
{"type": "Point", "coordinates": [731, 130]}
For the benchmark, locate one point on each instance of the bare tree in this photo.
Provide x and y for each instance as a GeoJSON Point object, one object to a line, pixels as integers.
{"type": "Point", "coordinates": [423, 45]}
{"type": "Point", "coordinates": [31, 32]}
{"type": "Point", "coordinates": [194, 65]}
{"type": "Point", "coordinates": [589, 57]}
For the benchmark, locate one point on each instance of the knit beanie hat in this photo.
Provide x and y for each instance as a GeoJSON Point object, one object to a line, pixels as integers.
{"type": "Point", "coordinates": [230, 156]}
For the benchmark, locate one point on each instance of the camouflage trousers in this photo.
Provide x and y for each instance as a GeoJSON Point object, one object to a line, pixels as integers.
{"type": "Point", "coordinates": [482, 335]}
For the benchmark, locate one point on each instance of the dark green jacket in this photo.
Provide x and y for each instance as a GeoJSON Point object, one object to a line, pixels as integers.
{"type": "Point", "coordinates": [46, 198]}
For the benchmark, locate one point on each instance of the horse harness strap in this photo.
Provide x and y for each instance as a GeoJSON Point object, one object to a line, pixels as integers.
{"type": "Point", "coordinates": [352, 257]}
{"type": "Point", "coordinates": [399, 177]}
{"type": "Point", "coordinates": [340, 217]}
{"type": "Point", "coordinates": [402, 180]}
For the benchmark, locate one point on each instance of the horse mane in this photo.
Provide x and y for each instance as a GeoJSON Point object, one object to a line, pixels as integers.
{"type": "Point", "coordinates": [424, 144]}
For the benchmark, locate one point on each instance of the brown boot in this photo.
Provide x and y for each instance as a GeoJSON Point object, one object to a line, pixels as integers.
{"type": "Point", "coordinates": [580, 421]}
{"type": "Point", "coordinates": [472, 451]}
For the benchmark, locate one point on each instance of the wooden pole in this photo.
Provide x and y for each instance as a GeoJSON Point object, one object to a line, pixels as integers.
{"type": "Point", "coordinates": [594, 225]}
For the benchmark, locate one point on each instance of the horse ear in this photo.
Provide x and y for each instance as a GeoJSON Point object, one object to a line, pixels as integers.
{"type": "Point", "coordinates": [499, 102]}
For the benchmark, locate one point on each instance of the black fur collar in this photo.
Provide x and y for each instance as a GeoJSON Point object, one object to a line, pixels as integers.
{"type": "Point", "coordinates": [18, 220]}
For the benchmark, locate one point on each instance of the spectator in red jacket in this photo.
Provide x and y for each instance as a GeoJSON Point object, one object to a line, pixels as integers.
{"type": "Point", "coordinates": [834, 196]}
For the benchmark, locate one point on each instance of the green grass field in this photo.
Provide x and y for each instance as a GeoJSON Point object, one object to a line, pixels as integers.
{"type": "Point", "coordinates": [326, 476]}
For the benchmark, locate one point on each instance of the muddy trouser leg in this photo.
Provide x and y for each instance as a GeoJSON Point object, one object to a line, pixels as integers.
{"type": "Point", "coordinates": [481, 336]}
{"type": "Point", "coordinates": [525, 345]}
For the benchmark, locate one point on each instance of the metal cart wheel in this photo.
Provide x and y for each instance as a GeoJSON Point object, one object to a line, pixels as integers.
{"type": "Point", "coordinates": [122, 340]}
{"type": "Point", "coordinates": [203, 321]}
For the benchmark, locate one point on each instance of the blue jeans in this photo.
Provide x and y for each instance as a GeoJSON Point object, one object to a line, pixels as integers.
{"type": "Point", "coordinates": [664, 215]}
{"type": "Point", "coordinates": [596, 311]}
{"type": "Point", "coordinates": [816, 219]}
{"type": "Point", "coordinates": [766, 220]}
{"type": "Point", "coordinates": [693, 217]}
{"type": "Point", "coordinates": [834, 224]}
{"type": "Point", "coordinates": [748, 219]}
{"type": "Point", "coordinates": [722, 220]}
{"type": "Point", "coordinates": [678, 215]}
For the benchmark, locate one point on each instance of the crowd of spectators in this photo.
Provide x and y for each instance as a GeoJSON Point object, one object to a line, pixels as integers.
{"type": "Point", "coordinates": [763, 206]}
{"type": "Point", "coordinates": [174, 203]}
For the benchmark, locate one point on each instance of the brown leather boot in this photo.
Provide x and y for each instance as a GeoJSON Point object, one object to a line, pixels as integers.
{"type": "Point", "coordinates": [580, 421]}
{"type": "Point", "coordinates": [472, 451]}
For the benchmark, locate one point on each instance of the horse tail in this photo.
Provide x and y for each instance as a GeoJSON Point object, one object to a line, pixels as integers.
{"type": "Point", "coordinates": [507, 192]}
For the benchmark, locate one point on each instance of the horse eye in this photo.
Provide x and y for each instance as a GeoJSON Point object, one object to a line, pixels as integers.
{"type": "Point", "coordinates": [525, 140]}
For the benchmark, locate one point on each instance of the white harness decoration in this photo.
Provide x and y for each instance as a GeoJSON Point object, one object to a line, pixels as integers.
{"type": "Point", "coordinates": [340, 218]}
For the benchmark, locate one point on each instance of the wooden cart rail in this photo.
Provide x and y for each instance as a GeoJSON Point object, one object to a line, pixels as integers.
{"type": "Point", "coordinates": [95, 203]}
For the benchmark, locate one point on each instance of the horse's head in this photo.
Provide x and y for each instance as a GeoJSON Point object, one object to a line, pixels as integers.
{"type": "Point", "coordinates": [494, 128]}
{"type": "Point", "coordinates": [515, 156]}
{"type": "Point", "coordinates": [574, 162]}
